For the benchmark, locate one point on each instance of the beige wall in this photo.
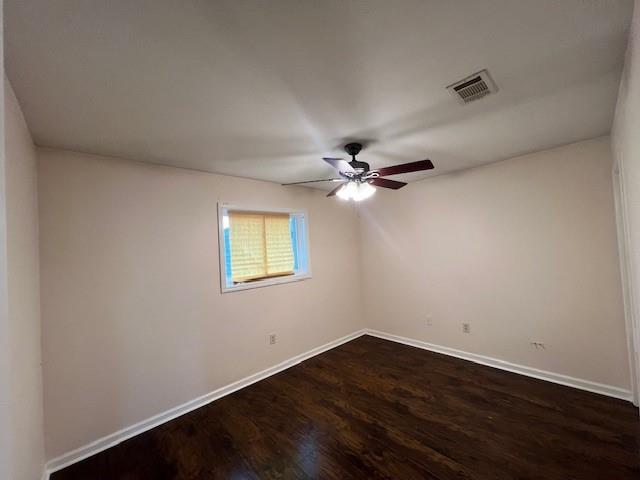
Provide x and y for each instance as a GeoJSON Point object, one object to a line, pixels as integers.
{"type": "Point", "coordinates": [5, 393]}
{"type": "Point", "coordinates": [133, 319]}
{"type": "Point", "coordinates": [524, 250]}
{"type": "Point", "coordinates": [27, 436]}
{"type": "Point", "coordinates": [626, 148]}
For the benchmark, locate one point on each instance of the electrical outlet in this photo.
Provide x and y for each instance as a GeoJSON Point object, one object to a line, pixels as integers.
{"type": "Point", "coordinates": [272, 339]}
{"type": "Point", "coordinates": [466, 328]}
{"type": "Point", "coordinates": [429, 320]}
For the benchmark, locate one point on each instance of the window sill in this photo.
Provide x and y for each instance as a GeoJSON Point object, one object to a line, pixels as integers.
{"type": "Point", "coordinates": [266, 283]}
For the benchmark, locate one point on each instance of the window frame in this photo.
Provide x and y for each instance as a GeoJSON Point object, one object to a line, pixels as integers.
{"type": "Point", "coordinates": [302, 240]}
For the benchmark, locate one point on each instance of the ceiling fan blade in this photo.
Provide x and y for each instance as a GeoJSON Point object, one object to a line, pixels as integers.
{"type": "Point", "coordinates": [405, 168]}
{"type": "Point", "coordinates": [340, 165]}
{"type": "Point", "coordinates": [314, 181]}
{"type": "Point", "coordinates": [386, 183]}
{"type": "Point", "coordinates": [335, 190]}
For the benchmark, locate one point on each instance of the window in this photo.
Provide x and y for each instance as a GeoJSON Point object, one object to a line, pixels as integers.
{"type": "Point", "coordinates": [260, 247]}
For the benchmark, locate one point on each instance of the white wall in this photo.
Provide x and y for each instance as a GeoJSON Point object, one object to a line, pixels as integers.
{"type": "Point", "coordinates": [626, 149]}
{"type": "Point", "coordinates": [5, 394]}
{"type": "Point", "coordinates": [133, 319]}
{"type": "Point", "coordinates": [524, 250]}
{"type": "Point", "coordinates": [23, 294]}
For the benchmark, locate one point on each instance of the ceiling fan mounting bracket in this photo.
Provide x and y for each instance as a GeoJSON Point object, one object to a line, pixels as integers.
{"type": "Point", "coordinates": [353, 148]}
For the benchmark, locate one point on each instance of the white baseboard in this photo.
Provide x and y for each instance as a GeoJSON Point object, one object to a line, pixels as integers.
{"type": "Point", "coordinates": [579, 383]}
{"type": "Point", "coordinates": [140, 427]}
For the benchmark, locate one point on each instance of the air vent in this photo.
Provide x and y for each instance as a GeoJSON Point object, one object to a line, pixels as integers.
{"type": "Point", "coordinates": [473, 87]}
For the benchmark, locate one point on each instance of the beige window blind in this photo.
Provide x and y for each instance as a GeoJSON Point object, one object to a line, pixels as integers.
{"type": "Point", "coordinates": [260, 245]}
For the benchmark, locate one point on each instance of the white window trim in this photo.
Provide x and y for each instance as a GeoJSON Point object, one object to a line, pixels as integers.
{"type": "Point", "coordinates": [222, 207]}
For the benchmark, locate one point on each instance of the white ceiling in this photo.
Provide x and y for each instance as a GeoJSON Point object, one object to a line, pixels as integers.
{"type": "Point", "coordinates": [265, 89]}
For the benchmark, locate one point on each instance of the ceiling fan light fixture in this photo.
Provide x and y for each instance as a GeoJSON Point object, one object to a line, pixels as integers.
{"type": "Point", "coordinates": [347, 191]}
{"type": "Point", "coordinates": [356, 191]}
{"type": "Point", "coordinates": [365, 190]}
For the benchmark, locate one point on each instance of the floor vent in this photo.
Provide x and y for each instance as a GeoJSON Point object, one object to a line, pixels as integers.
{"type": "Point", "coordinates": [473, 87]}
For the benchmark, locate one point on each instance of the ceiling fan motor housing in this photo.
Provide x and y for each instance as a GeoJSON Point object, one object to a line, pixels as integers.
{"type": "Point", "coordinates": [353, 149]}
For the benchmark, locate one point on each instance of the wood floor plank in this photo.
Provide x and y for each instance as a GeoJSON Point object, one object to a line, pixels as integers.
{"type": "Point", "coordinates": [374, 409]}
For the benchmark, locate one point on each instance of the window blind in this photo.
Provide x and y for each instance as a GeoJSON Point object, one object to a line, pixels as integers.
{"type": "Point", "coordinates": [260, 245]}
{"type": "Point", "coordinates": [279, 247]}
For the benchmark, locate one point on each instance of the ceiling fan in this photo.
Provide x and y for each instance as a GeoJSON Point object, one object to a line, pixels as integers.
{"type": "Point", "coordinates": [358, 181]}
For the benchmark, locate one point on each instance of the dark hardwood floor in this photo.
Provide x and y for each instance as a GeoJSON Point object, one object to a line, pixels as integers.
{"type": "Point", "coordinates": [373, 409]}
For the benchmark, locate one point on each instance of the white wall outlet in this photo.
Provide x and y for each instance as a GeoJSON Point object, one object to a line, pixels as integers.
{"type": "Point", "coordinates": [272, 339]}
{"type": "Point", "coordinates": [466, 328]}
{"type": "Point", "coordinates": [429, 320]}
